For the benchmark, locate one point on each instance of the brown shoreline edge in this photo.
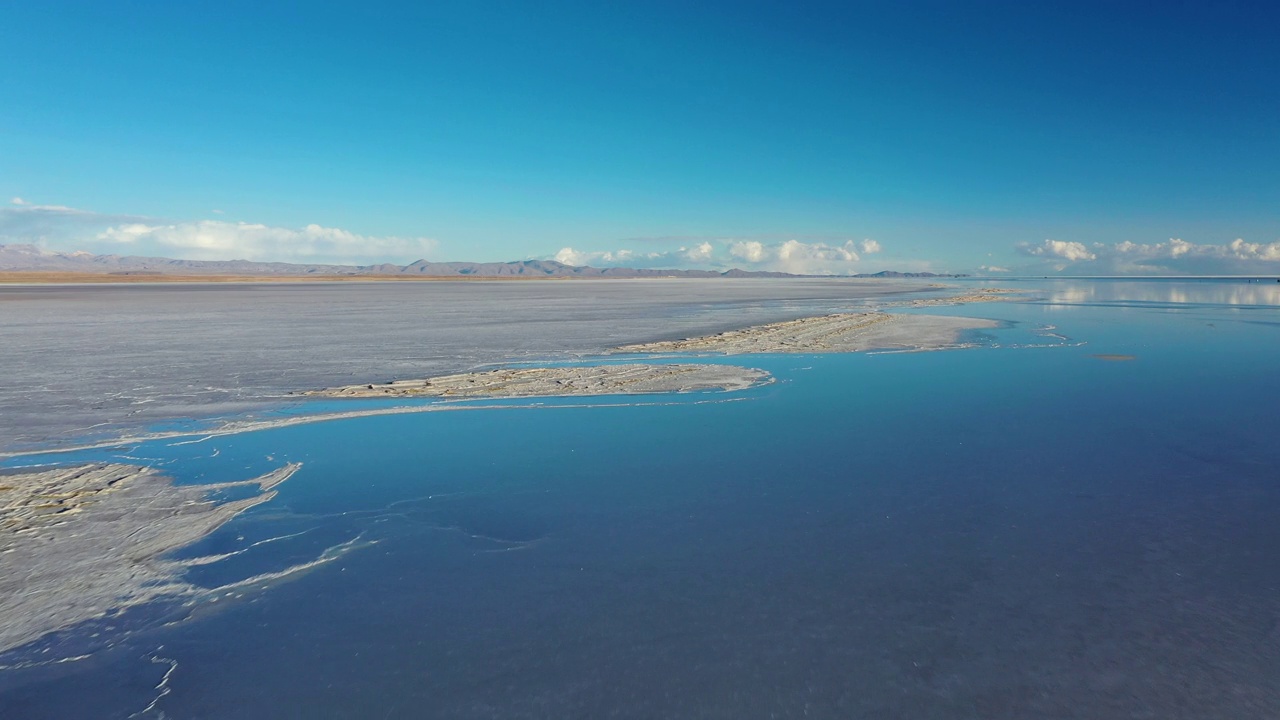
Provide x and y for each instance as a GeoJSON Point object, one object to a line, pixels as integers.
{"type": "Point", "coordinates": [83, 541]}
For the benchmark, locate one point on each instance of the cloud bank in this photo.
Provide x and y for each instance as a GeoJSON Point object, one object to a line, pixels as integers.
{"type": "Point", "coordinates": [791, 256]}
{"type": "Point", "coordinates": [69, 229]}
{"type": "Point", "coordinates": [220, 240]}
{"type": "Point", "coordinates": [1175, 257]}
{"type": "Point", "coordinates": [1066, 250]}
{"type": "Point", "coordinates": [697, 254]}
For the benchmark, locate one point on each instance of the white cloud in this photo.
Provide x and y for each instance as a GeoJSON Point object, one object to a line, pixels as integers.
{"type": "Point", "coordinates": [1176, 256]}
{"type": "Point", "coordinates": [993, 268]}
{"type": "Point", "coordinates": [569, 256]}
{"type": "Point", "coordinates": [626, 258]}
{"type": "Point", "coordinates": [751, 251]}
{"type": "Point", "coordinates": [1254, 251]}
{"type": "Point", "coordinates": [58, 227]}
{"type": "Point", "coordinates": [698, 253]}
{"type": "Point", "coordinates": [1178, 253]}
{"type": "Point", "coordinates": [54, 226]}
{"type": "Point", "coordinates": [24, 206]}
{"type": "Point", "coordinates": [814, 258]}
{"type": "Point", "coordinates": [793, 256]}
{"type": "Point", "coordinates": [219, 240]}
{"type": "Point", "coordinates": [1065, 249]}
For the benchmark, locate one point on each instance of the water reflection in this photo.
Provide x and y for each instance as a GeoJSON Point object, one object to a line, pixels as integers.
{"type": "Point", "coordinates": [1242, 292]}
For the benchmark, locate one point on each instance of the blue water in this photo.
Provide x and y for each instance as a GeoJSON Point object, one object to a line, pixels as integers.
{"type": "Point", "coordinates": [1022, 529]}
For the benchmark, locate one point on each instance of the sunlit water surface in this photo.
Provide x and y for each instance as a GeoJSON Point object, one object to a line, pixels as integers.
{"type": "Point", "coordinates": [1079, 518]}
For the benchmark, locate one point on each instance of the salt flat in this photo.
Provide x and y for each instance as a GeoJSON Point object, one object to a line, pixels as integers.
{"type": "Point", "coordinates": [79, 359]}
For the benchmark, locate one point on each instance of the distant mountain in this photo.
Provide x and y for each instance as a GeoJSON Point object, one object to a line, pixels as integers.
{"type": "Point", "coordinates": [896, 274]}
{"type": "Point", "coordinates": [30, 258]}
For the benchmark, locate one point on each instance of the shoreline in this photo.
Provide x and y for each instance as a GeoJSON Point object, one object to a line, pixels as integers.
{"type": "Point", "coordinates": [899, 331]}
{"type": "Point", "coordinates": [238, 427]}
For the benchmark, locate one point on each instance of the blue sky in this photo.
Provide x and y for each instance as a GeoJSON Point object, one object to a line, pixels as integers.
{"type": "Point", "coordinates": [844, 137]}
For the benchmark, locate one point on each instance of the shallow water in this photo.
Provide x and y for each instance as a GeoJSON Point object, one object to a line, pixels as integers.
{"type": "Point", "coordinates": [1022, 529]}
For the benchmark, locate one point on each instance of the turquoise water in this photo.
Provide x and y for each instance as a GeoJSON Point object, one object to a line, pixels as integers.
{"type": "Point", "coordinates": [1020, 529]}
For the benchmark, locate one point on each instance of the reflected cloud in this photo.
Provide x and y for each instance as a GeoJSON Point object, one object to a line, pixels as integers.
{"type": "Point", "coordinates": [1189, 292]}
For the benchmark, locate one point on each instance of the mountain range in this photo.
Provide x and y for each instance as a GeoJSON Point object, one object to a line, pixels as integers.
{"type": "Point", "coordinates": [30, 258]}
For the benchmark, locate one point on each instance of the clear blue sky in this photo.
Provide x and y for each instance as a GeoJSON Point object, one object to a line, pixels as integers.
{"type": "Point", "coordinates": [953, 134]}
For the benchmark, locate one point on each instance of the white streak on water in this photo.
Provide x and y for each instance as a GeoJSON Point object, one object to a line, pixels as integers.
{"type": "Point", "coordinates": [43, 663]}
{"type": "Point", "coordinates": [162, 686]}
{"type": "Point", "coordinates": [327, 556]}
{"type": "Point", "coordinates": [210, 559]}
{"type": "Point", "coordinates": [184, 442]}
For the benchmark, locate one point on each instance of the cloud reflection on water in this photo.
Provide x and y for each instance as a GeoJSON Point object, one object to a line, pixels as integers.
{"type": "Point", "coordinates": [1191, 292]}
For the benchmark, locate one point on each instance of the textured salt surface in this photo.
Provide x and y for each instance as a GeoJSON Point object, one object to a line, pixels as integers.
{"type": "Point", "coordinates": [78, 542]}
{"type": "Point", "coordinates": [846, 332]}
{"type": "Point", "coordinates": [978, 296]}
{"type": "Point", "coordinates": [557, 381]}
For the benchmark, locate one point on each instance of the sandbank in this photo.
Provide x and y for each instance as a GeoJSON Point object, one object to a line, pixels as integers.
{"type": "Point", "coordinates": [563, 381]}
{"type": "Point", "coordinates": [842, 332]}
